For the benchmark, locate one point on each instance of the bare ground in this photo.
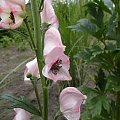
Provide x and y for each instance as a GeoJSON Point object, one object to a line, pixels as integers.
{"type": "Point", "coordinates": [14, 84]}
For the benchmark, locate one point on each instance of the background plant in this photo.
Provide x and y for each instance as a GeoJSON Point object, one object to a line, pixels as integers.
{"type": "Point", "coordinates": [102, 22]}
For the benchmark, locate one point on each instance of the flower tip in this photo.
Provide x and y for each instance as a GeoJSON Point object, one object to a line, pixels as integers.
{"type": "Point", "coordinates": [85, 97]}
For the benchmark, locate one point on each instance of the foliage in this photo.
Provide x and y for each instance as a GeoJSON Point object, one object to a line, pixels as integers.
{"type": "Point", "coordinates": [104, 56]}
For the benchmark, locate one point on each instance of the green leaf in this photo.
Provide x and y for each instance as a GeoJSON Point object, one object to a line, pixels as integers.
{"type": "Point", "coordinates": [106, 103]}
{"type": "Point", "coordinates": [97, 103]}
{"type": "Point", "coordinates": [100, 80]}
{"type": "Point", "coordinates": [96, 9]}
{"type": "Point", "coordinates": [112, 83]}
{"type": "Point", "coordinates": [84, 54]}
{"type": "Point", "coordinates": [111, 29]}
{"type": "Point", "coordinates": [103, 6]}
{"type": "Point", "coordinates": [96, 106]}
{"type": "Point", "coordinates": [84, 25]}
{"type": "Point", "coordinates": [90, 92]}
{"type": "Point", "coordinates": [21, 103]}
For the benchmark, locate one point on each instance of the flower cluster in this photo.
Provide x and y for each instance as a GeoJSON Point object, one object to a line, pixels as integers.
{"type": "Point", "coordinates": [57, 64]}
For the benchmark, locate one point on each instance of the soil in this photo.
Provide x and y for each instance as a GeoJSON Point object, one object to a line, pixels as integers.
{"type": "Point", "coordinates": [14, 84]}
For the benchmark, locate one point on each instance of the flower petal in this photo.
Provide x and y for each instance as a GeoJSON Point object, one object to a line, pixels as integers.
{"type": "Point", "coordinates": [16, 4]}
{"type": "Point", "coordinates": [48, 14]}
{"type": "Point", "coordinates": [21, 114]}
{"type": "Point", "coordinates": [53, 55]}
{"type": "Point", "coordinates": [70, 102]}
{"type": "Point", "coordinates": [52, 39]}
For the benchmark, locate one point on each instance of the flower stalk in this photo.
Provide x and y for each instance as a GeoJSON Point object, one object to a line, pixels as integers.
{"type": "Point", "coordinates": [37, 94]}
{"type": "Point", "coordinates": [38, 40]}
{"type": "Point", "coordinates": [45, 96]}
{"type": "Point", "coordinates": [30, 34]}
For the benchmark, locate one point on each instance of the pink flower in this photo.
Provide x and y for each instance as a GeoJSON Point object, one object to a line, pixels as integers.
{"type": "Point", "coordinates": [57, 66]}
{"type": "Point", "coordinates": [32, 68]}
{"type": "Point", "coordinates": [56, 62]}
{"type": "Point", "coordinates": [70, 102]}
{"type": "Point", "coordinates": [21, 114]}
{"type": "Point", "coordinates": [48, 14]}
{"type": "Point", "coordinates": [52, 40]}
{"type": "Point", "coordinates": [11, 13]}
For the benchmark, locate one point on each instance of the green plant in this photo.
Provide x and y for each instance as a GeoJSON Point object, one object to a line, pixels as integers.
{"type": "Point", "coordinates": [103, 98]}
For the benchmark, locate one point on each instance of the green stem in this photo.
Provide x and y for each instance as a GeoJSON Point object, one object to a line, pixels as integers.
{"type": "Point", "coordinates": [37, 95]}
{"type": "Point", "coordinates": [45, 95]}
{"type": "Point", "coordinates": [37, 37]}
{"type": "Point", "coordinates": [30, 34]}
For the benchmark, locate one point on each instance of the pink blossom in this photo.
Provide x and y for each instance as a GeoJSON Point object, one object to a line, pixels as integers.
{"type": "Point", "coordinates": [70, 102]}
{"type": "Point", "coordinates": [11, 13]}
{"type": "Point", "coordinates": [48, 14]}
{"type": "Point", "coordinates": [52, 40]}
{"type": "Point", "coordinates": [21, 114]}
{"type": "Point", "coordinates": [57, 66]}
{"type": "Point", "coordinates": [32, 68]}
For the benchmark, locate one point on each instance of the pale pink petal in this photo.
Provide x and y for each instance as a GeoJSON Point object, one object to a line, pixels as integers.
{"type": "Point", "coordinates": [70, 102]}
{"type": "Point", "coordinates": [57, 67]}
{"type": "Point", "coordinates": [32, 68]}
{"type": "Point", "coordinates": [52, 39]}
{"type": "Point", "coordinates": [48, 14]}
{"type": "Point", "coordinates": [53, 54]}
{"type": "Point", "coordinates": [21, 114]}
{"type": "Point", "coordinates": [16, 4]}
{"type": "Point", "coordinates": [4, 8]}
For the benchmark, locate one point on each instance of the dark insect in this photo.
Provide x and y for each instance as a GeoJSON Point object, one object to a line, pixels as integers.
{"type": "Point", "coordinates": [12, 17]}
{"type": "Point", "coordinates": [0, 18]}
